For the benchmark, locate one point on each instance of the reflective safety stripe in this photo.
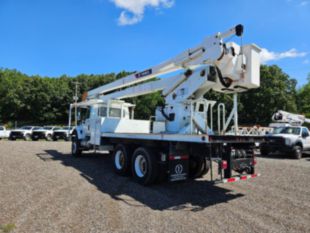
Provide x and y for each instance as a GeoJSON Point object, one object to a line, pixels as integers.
{"type": "Point", "coordinates": [237, 178]}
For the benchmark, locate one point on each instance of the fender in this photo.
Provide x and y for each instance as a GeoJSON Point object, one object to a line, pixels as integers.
{"type": "Point", "coordinates": [299, 142]}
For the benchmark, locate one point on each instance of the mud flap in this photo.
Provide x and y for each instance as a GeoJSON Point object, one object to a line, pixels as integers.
{"type": "Point", "coordinates": [178, 169]}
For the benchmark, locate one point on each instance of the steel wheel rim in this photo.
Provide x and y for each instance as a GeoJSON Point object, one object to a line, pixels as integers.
{"type": "Point", "coordinates": [119, 160]}
{"type": "Point", "coordinates": [140, 166]}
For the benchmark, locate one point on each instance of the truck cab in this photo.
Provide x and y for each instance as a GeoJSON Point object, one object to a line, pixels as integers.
{"type": "Point", "coordinates": [116, 116]}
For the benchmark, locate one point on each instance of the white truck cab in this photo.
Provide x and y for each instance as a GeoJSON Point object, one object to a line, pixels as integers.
{"type": "Point", "coordinates": [116, 116]}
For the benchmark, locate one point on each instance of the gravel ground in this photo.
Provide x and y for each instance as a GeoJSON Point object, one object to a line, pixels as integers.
{"type": "Point", "coordinates": [44, 189]}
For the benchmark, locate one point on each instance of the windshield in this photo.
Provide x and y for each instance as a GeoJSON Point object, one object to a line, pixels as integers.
{"type": "Point", "coordinates": [57, 128]}
{"type": "Point", "coordinates": [66, 128]}
{"type": "Point", "coordinates": [290, 130]}
{"type": "Point", "coordinates": [48, 128]}
{"type": "Point", "coordinates": [36, 128]}
{"type": "Point", "coordinates": [277, 130]}
{"type": "Point", "coordinates": [26, 127]}
{"type": "Point", "coordinates": [83, 114]}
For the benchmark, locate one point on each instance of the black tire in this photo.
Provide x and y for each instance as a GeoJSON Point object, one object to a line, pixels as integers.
{"type": "Point", "coordinates": [27, 137]}
{"type": "Point", "coordinates": [12, 139]}
{"type": "Point", "coordinates": [198, 167]}
{"type": "Point", "coordinates": [55, 139]}
{"type": "Point", "coordinates": [297, 152]}
{"type": "Point", "coordinates": [76, 149]}
{"type": "Point", "coordinates": [144, 166]}
{"type": "Point", "coordinates": [49, 137]}
{"type": "Point", "coordinates": [122, 159]}
{"type": "Point", "coordinates": [34, 139]}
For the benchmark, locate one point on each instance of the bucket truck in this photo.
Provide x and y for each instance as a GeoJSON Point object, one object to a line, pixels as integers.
{"type": "Point", "coordinates": [180, 141]}
{"type": "Point", "coordinates": [289, 136]}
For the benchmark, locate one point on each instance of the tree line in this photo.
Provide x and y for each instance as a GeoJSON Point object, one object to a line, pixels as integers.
{"type": "Point", "coordinates": [43, 100]}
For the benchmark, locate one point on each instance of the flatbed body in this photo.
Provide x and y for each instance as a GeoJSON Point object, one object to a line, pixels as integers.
{"type": "Point", "coordinates": [192, 138]}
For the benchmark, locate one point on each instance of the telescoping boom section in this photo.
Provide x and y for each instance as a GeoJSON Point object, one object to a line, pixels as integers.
{"type": "Point", "coordinates": [186, 135]}
{"type": "Point", "coordinates": [289, 118]}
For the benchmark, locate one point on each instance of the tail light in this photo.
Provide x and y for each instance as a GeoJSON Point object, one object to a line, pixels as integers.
{"type": "Point", "coordinates": [254, 161]}
{"type": "Point", "coordinates": [224, 164]}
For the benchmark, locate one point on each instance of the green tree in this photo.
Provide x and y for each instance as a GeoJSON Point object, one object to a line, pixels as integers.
{"type": "Point", "coordinates": [43, 100]}
{"type": "Point", "coordinates": [277, 92]}
{"type": "Point", "coordinates": [303, 98]}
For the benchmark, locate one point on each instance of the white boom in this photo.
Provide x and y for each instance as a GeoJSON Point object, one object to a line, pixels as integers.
{"type": "Point", "coordinates": [290, 118]}
{"type": "Point", "coordinates": [233, 65]}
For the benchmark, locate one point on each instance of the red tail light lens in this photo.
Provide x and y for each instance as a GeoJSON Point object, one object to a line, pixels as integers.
{"type": "Point", "coordinates": [254, 161]}
{"type": "Point", "coordinates": [224, 164]}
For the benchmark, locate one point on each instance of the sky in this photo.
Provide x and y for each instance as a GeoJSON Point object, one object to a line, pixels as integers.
{"type": "Point", "coordinates": [56, 37]}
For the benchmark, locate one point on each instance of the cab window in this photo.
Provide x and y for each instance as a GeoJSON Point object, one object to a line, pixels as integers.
{"type": "Point", "coordinates": [305, 132]}
{"type": "Point", "coordinates": [102, 112]}
{"type": "Point", "coordinates": [115, 112]}
{"type": "Point", "coordinates": [84, 114]}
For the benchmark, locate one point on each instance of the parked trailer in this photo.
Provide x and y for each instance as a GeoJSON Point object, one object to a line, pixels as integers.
{"type": "Point", "coordinates": [179, 142]}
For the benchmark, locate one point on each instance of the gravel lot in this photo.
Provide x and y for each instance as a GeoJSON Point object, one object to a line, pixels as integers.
{"type": "Point", "coordinates": [44, 189]}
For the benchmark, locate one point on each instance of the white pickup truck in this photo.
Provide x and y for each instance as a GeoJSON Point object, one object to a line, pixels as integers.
{"type": "Point", "coordinates": [24, 132]}
{"type": "Point", "coordinates": [63, 133]}
{"type": "Point", "coordinates": [4, 133]}
{"type": "Point", "coordinates": [292, 140]}
{"type": "Point", "coordinates": [45, 132]}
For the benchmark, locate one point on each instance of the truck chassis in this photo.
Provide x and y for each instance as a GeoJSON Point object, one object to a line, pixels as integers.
{"type": "Point", "coordinates": [153, 158]}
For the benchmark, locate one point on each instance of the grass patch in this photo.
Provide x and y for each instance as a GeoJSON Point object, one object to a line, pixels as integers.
{"type": "Point", "coordinates": [6, 228]}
